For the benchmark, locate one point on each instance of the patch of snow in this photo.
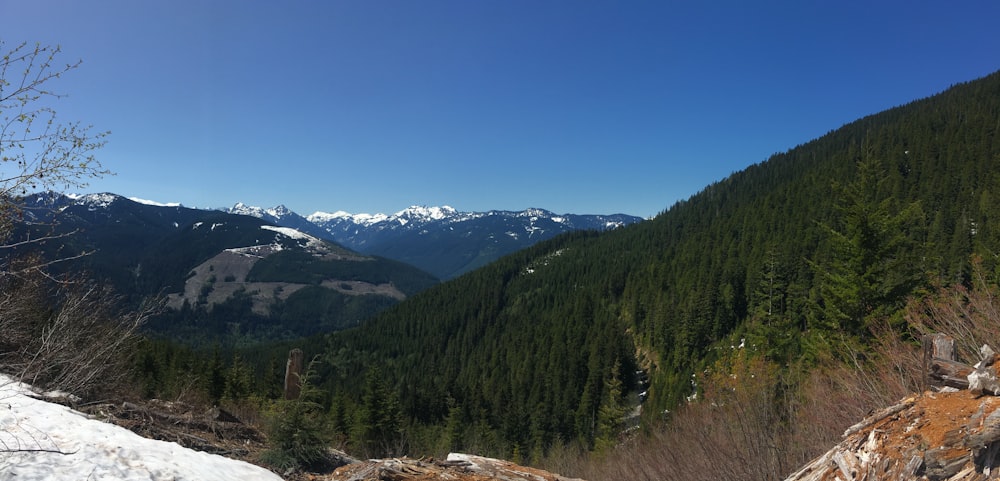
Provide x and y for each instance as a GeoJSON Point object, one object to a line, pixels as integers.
{"type": "Point", "coordinates": [289, 232]}
{"type": "Point", "coordinates": [258, 251]}
{"type": "Point", "coordinates": [411, 215]}
{"type": "Point", "coordinates": [154, 203]}
{"type": "Point", "coordinates": [57, 443]}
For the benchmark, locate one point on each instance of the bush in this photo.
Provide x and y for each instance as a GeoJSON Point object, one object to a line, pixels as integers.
{"type": "Point", "coordinates": [297, 431]}
{"type": "Point", "coordinates": [67, 336]}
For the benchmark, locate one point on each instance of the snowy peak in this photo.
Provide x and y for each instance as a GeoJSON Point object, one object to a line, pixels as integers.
{"type": "Point", "coordinates": [413, 214]}
{"type": "Point", "coordinates": [273, 213]}
{"type": "Point", "coordinates": [282, 216]}
{"type": "Point", "coordinates": [425, 214]}
{"type": "Point", "coordinates": [447, 242]}
{"type": "Point", "coordinates": [95, 201]}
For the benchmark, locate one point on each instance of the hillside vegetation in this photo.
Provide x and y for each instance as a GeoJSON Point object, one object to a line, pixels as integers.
{"type": "Point", "coordinates": [799, 257]}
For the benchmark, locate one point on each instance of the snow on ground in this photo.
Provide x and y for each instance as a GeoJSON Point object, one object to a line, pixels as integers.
{"type": "Point", "coordinates": [53, 442]}
{"type": "Point", "coordinates": [154, 203]}
{"type": "Point", "coordinates": [289, 232]}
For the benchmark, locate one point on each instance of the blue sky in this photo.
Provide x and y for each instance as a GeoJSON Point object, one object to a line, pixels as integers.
{"type": "Point", "coordinates": [574, 106]}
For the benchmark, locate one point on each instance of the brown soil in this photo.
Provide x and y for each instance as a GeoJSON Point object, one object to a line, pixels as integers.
{"type": "Point", "coordinates": [930, 434]}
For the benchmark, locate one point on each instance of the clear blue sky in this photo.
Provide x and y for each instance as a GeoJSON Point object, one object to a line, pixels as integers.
{"type": "Point", "coordinates": [574, 106]}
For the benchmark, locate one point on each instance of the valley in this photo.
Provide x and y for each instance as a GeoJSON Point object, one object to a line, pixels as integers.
{"type": "Point", "coordinates": [736, 335]}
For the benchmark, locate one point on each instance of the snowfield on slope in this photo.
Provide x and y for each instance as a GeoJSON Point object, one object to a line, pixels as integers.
{"type": "Point", "coordinates": [45, 441]}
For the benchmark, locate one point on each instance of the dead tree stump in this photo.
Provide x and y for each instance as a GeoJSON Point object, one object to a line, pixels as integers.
{"type": "Point", "coordinates": [293, 374]}
{"type": "Point", "coordinates": [939, 361]}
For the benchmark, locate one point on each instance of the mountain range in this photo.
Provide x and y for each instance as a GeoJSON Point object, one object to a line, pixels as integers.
{"type": "Point", "coordinates": [440, 240]}
{"type": "Point", "coordinates": [253, 273]}
{"type": "Point", "coordinates": [221, 275]}
{"type": "Point", "coordinates": [797, 261]}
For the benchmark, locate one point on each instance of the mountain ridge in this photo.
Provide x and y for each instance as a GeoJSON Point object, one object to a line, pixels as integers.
{"type": "Point", "coordinates": [214, 269]}
{"type": "Point", "coordinates": [438, 239]}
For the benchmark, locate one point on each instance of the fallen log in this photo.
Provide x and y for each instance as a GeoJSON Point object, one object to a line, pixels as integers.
{"type": "Point", "coordinates": [944, 372]}
{"type": "Point", "coordinates": [880, 415]}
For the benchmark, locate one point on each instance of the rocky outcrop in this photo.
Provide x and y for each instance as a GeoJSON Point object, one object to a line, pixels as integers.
{"type": "Point", "coordinates": [942, 434]}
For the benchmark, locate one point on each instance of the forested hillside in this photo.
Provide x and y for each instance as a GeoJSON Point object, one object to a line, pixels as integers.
{"type": "Point", "coordinates": [795, 255]}
{"type": "Point", "coordinates": [225, 278]}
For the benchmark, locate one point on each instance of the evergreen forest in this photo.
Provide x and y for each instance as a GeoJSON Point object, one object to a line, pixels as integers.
{"type": "Point", "coordinates": [801, 259]}
{"type": "Point", "coordinates": [797, 256]}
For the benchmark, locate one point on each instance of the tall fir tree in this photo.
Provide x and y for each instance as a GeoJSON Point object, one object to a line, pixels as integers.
{"type": "Point", "coordinates": [874, 254]}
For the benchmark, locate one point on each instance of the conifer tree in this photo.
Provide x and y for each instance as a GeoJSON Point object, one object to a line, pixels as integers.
{"type": "Point", "coordinates": [611, 414]}
{"type": "Point", "coordinates": [379, 427]}
{"type": "Point", "coordinates": [297, 431]}
{"type": "Point", "coordinates": [873, 258]}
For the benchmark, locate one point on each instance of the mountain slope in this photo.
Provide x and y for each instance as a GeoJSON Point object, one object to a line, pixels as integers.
{"type": "Point", "coordinates": [542, 344]}
{"type": "Point", "coordinates": [223, 275]}
{"type": "Point", "coordinates": [439, 240]}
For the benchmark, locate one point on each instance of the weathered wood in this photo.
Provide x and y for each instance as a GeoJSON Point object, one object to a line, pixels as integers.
{"type": "Point", "coordinates": [935, 346]}
{"type": "Point", "coordinates": [987, 433]}
{"type": "Point", "coordinates": [941, 463]}
{"type": "Point", "coordinates": [943, 372]}
{"type": "Point", "coordinates": [987, 356]}
{"type": "Point", "coordinates": [984, 381]}
{"type": "Point", "coordinates": [847, 463]}
{"type": "Point", "coordinates": [915, 463]}
{"type": "Point", "coordinates": [940, 346]}
{"type": "Point", "coordinates": [293, 374]}
{"type": "Point", "coordinates": [880, 415]}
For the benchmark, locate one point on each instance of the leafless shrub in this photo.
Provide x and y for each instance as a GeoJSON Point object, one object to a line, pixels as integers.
{"type": "Point", "coordinates": [971, 315]}
{"type": "Point", "coordinates": [737, 430]}
{"type": "Point", "coordinates": [68, 336]}
{"type": "Point", "coordinates": [755, 421]}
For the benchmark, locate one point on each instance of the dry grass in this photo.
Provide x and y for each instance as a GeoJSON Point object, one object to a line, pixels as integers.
{"type": "Point", "coordinates": [754, 422]}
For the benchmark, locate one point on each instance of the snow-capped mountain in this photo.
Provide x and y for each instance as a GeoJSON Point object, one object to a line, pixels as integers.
{"type": "Point", "coordinates": [447, 242]}
{"type": "Point", "coordinates": [280, 215]}
{"type": "Point", "coordinates": [198, 260]}
{"type": "Point", "coordinates": [440, 240]}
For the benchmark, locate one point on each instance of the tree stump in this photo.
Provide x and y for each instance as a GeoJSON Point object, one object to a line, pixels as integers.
{"type": "Point", "coordinates": [939, 355]}
{"type": "Point", "coordinates": [293, 374]}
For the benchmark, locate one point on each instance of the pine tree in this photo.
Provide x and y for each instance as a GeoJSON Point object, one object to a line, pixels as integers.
{"type": "Point", "coordinates": [297, 433]}
{"type": "Point", "coordinates": [611, 414]}
{"type": "Point", "coordinates": [379, 428]}
{"type": "Point", "coordinates": [874, 254]}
